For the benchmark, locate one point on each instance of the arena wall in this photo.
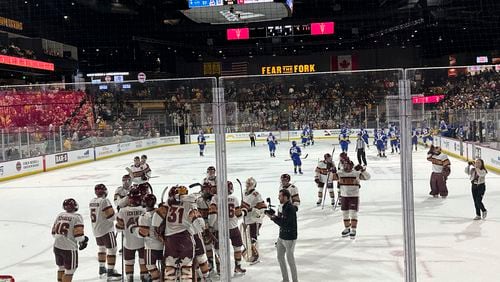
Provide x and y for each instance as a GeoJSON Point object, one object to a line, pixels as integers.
{"type": "Point", "coordinates": [468, 151]}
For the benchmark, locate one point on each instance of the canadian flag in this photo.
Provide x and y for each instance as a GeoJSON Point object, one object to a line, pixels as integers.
{"type": "Point", "coordinates": [344, 63]}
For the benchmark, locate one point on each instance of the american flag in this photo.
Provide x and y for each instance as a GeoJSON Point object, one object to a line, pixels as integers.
{"type": "Point", "coordinates": [234, 68]}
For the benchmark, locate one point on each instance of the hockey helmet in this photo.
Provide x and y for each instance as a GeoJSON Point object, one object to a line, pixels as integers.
{"type": "Point", "coordinates": [149, 201]}
{"type": "Point", "coordinates": [101, 190]}
{"type": "Point", "coordinates": [134, 197]}
{"type": "Point", "coordinates": [70, 205]}
{"type": "Point", "coordinates": [285, 178]}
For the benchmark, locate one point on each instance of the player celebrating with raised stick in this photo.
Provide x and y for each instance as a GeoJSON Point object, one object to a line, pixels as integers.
{"type": "Point", "coordinates": [323, 170]}
{"type": "Point", "coordinates": [102, 216]}
{"type": "Point", "coordinates": [253, 207]}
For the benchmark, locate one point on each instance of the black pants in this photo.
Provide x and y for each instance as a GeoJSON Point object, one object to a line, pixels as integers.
{"type": "Point", "coordinates": [477, 195]}
{"type": "Point", "coordinates": [252, 142]}
{"type": "Point", "coordinates": [361, 155]}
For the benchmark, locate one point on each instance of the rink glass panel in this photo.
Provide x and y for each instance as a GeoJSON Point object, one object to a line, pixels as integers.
{"type": "Point", "coordinates": [469, 99]}
{"type": "Point", "coordinates": [285, 103]}
{"type": "Point", "coordinates": [43, 119]}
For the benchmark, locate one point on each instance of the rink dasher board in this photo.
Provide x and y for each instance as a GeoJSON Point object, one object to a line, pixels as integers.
{"type": "Point", "coordinates": [468, 151]}
{"type": "Point", "coordinates": [29, 166]}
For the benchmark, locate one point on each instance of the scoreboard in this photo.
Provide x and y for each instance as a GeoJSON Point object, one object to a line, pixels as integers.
{"type": "Point", "coordinates": [323, 28]}
{"type": "Point", "coordinates": [210, 3]}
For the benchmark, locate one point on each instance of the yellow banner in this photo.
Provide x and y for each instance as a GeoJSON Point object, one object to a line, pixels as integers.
{"type": "Point", "coordinates": [11, 23]}
{"type": "Point", "coordinates": [211, 68]}
{"type": "Point", "coordinates": [287, 69]}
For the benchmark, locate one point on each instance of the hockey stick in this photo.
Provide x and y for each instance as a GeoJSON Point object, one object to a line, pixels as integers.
{"type": "Point", "coordinates": [326, 184]}
{"type": "Point", "coordinates": [305, 157]}
{"type": "Point", "coordinates": [163, 194]}
{"type": "Point", "coordinates": [195, 185]}
{"type": "Point", "coordinates": [336, 203]}
{"type": "Point", "coordinates": [123, 262]}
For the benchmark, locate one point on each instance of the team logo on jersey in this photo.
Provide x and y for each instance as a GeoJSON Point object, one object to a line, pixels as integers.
{"type": "Point", "coordinates": [61, 158]}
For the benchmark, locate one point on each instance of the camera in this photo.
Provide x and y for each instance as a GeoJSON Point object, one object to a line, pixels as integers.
{"type": "Point", "coordinates": [269, 210]}
{"type": "Point", "coordinates": [471, 163]}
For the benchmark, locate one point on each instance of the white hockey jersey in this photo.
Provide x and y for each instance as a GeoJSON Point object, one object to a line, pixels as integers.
{"type": "Point", "coordinates": [102, 216]}
{"type": "Point", "coordinates": [233, 204]}
{"type": "Point", "coordinates": [254, 205]}
{"type": "Point", "coordinates": [67, 227]}
{"type": "Point", "coordinates": [129, 217]}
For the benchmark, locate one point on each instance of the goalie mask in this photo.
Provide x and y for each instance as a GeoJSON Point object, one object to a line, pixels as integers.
{"type": "Point", "coordinates": [250, 184]}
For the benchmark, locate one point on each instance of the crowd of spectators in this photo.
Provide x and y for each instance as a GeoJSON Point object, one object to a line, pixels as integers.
{"type": "Point", "coordinates": [13, 50]}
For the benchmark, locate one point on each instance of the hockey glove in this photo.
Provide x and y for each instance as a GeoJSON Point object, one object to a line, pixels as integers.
{"type": "Point", "coordinates": [144, 177]}
{"type": "Point", "coordinates": [83, 244]}
{"type": "Point", "coordinates": [358, 167]}
{"type": "Point", "coordinates": [270, 212]}
{"type": "Point", "coordinates": [329, 185]}
{"type": "Point", "coordinates": [316, 179]}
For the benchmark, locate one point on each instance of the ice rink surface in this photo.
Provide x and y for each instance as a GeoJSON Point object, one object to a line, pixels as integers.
{"type": "Point", "coordinates": [450, 245]}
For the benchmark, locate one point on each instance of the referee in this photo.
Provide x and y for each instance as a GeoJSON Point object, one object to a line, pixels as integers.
{"type": "Point", "coordinates": [360, 149]}
{"type": "Point", "coordinates": [287, 220]}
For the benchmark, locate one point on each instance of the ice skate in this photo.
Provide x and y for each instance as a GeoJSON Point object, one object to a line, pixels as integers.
{"type": "Point", "coordinates": [112, 275]}
{"type": "Point", "coordinates": [346, 232]}
{"type": "Point", "coordinates": [352, 234]}
{"type": "Point", "coordinates": [485, 213]}
{"type": "Point", "coordinates": [102, 271]}
{"type": "Point", "coordinates": [238, 270]}
{"type": "Point", "coordinates": [477, 217]}
{"type": "Point", "coordinates": [318, 203]}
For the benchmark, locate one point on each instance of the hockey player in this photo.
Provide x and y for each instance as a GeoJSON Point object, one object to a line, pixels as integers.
{"type": "Point", "coordinates": [68, 239]}
{"type": "Point", "coordinates": [295, 153]}
{"type": "Point", "coordinates": [144, 162]}
{"type": "Point", "coordinates": [203, 205]}
{"type": "Point", "coordinates": [173, 220]}
{"type": "Point", "coordinates": [271, 142]}
{"type": "Point", "coordinates": [294, 191]}
{"type": "Point", "coordinates": [202, 142]}
{"type": "Point", "coordinates": [126, 222]}
{"type": "Point", "coordinates": [348, 180]}
{"type": "Point", "coordinates": [344, 140]}
{"type": "Point", "coordinates": [234, 232]}
{"type": "Point", "coordinates": [323, 176]}
{"type": "Point", "coordinates": [440, 171]}
{"type": "Point", "coordinates": [253, 207]}
{"type": "Point", "coordinates": [414, 138]}
{"type": "Point", "coordinates": [393, 136]}
{"type": "Point", "coordinates": [381, 140]}
{"type": "Point", "coordinates": [365, 136]}
{"type": "Point", "coordinates": [153, 245]}
{"type": "Point", "coordinates": [121, 192]}
{"type": "Point", "coordinates": [311, 136]}
{"type": "Point", "coordinates": [139, 173]}
{"type": "Point", "coordinates": [426, 136]}
{"type": "Point", "coordinates": [304, 136]}
{"type": "Point", "coordinates": [102, 216]}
